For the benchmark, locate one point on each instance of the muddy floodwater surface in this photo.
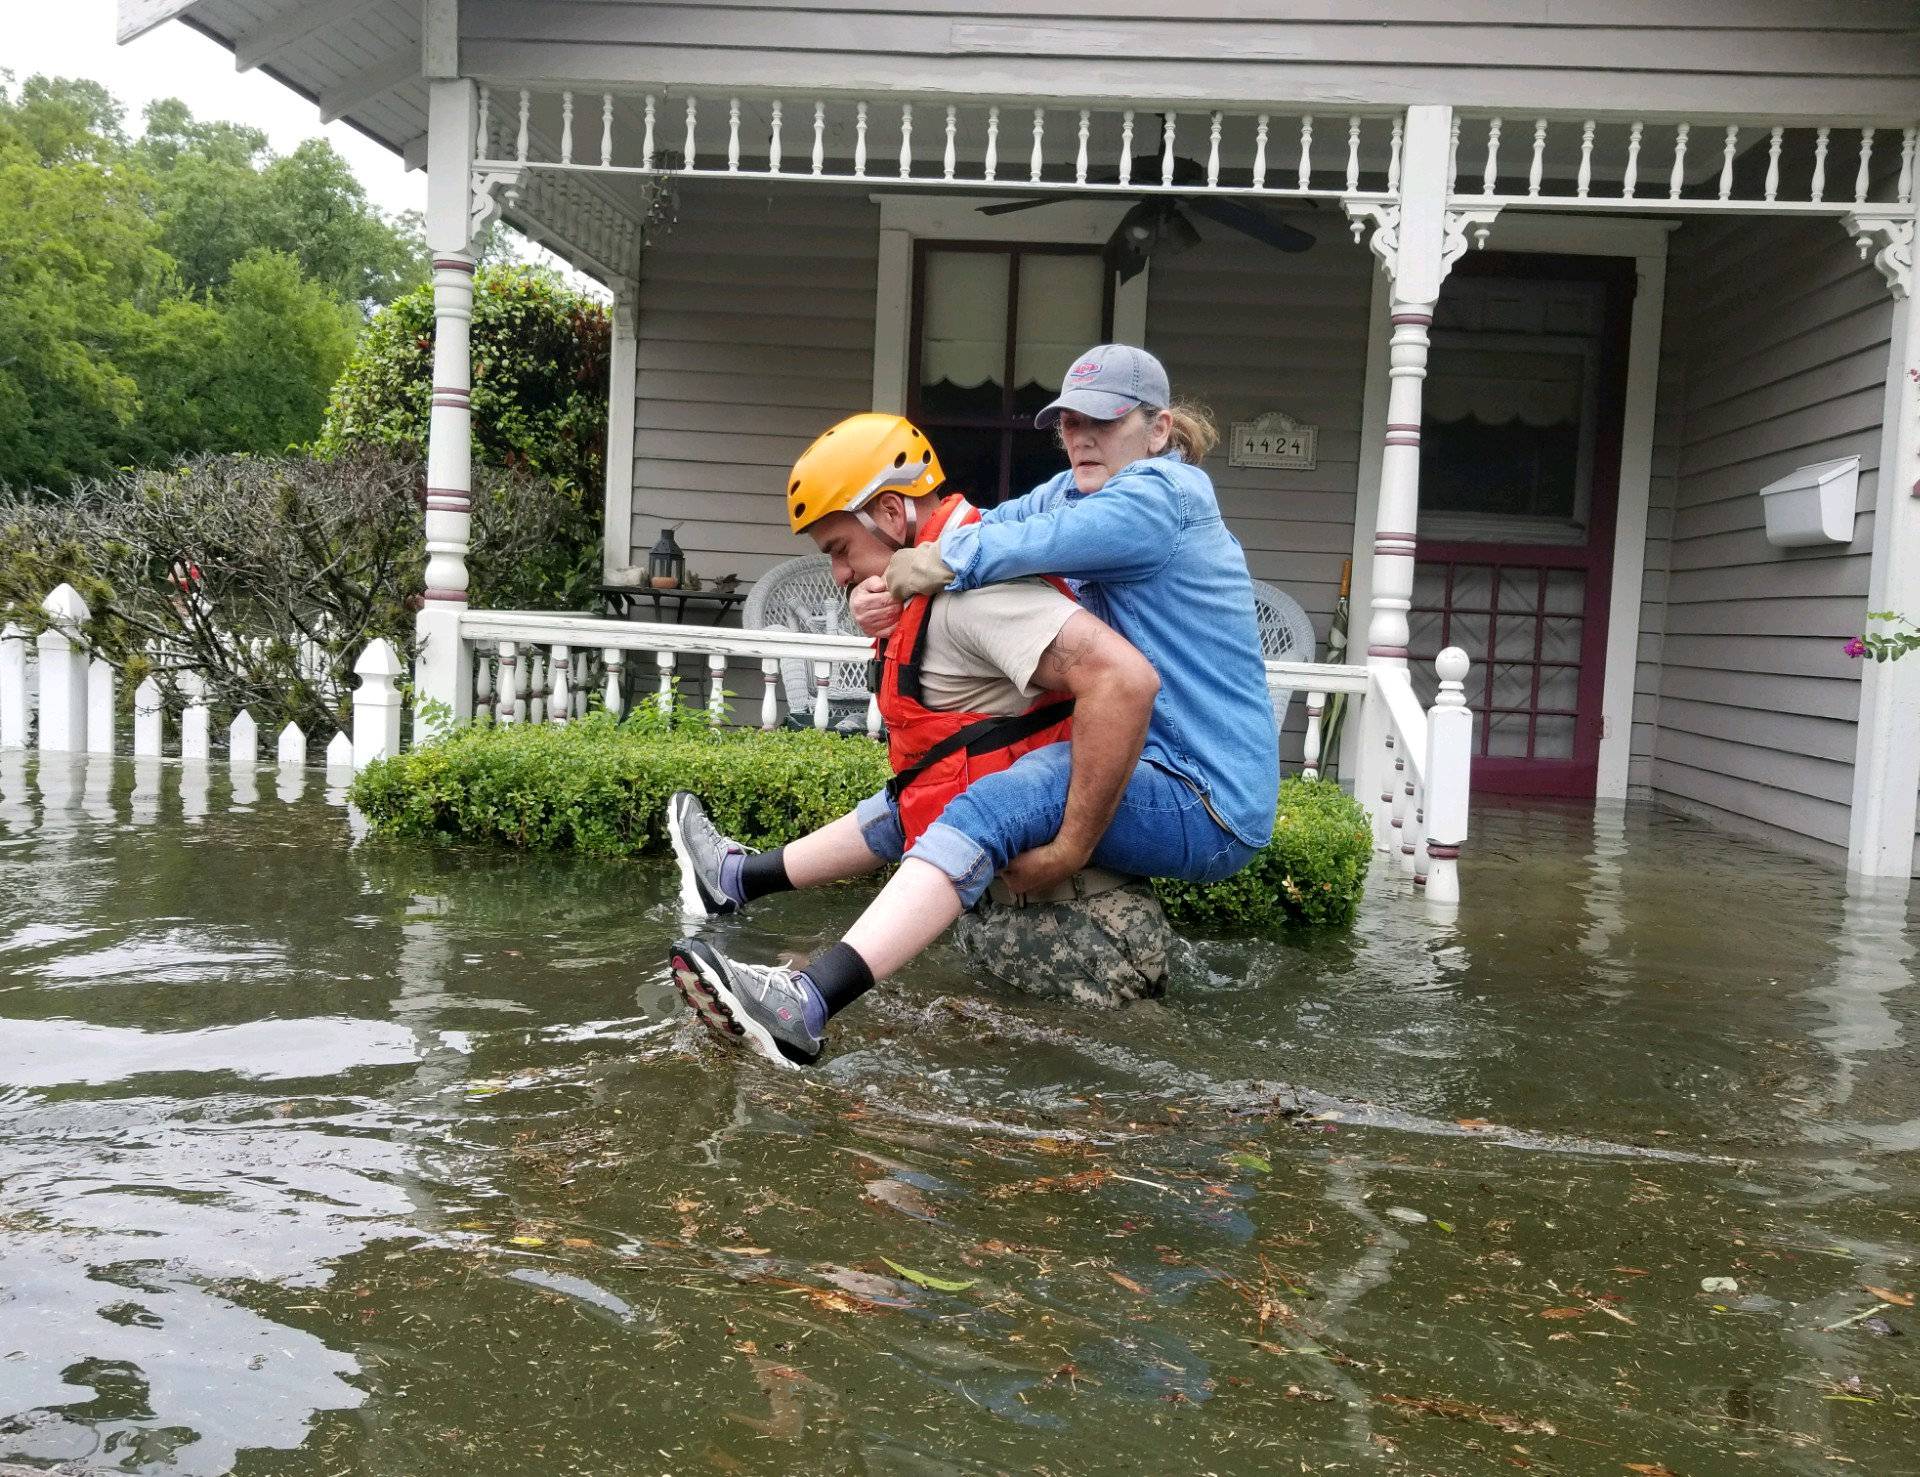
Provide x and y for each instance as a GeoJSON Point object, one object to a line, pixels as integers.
{"type": "Point", "coordinates": [325, 1157]}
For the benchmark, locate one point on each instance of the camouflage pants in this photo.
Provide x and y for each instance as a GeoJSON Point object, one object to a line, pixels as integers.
{"type": "Point", "coordinates": [1104, 950]}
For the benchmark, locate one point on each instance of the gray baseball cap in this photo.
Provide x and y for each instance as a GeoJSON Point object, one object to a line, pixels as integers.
{"type": "Point", "coordinates": [1108, 381]}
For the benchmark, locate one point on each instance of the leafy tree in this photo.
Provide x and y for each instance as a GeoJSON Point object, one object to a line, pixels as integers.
{"type": "Point", "coordinates": [540, 370]}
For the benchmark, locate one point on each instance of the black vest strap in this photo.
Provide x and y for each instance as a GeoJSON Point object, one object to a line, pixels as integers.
{"type": "Point", "coordinates": [983, 736]}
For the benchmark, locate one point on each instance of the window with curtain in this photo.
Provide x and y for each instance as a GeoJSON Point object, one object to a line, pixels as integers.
{"type": "Point", "coordinates": [995, 327]}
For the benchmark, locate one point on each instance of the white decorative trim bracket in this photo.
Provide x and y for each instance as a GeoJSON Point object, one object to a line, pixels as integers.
{"type": "Point", "coordinates": [1385, 219]}
{"type": "Point", "coordinates": [488, 186]}
{"type": "Point", "coordinates": [1885, 234]}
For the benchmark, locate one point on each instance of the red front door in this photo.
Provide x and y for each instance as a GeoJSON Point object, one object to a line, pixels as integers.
{"type": "Point", "coordinates": [1519, 473]}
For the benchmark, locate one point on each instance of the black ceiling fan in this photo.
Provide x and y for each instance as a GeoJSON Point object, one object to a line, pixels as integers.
{"type": "Point", "coordinates": [1159, 225]}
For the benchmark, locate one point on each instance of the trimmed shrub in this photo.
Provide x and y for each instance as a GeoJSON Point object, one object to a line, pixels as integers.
{"type": "Point", "coordinates": [1313, 871]}
{"type": "Point", "coordinates": [599, 787]}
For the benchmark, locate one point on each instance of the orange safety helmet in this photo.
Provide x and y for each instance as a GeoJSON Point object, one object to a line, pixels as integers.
{"type": "Point", "coordinates": [854, 462]}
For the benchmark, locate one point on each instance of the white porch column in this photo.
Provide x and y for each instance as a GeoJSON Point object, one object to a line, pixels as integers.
{"type": "Point", "coordinates": [1886, 766]}
{"type": "Point", "coordinates": [616, 536]}
{"type": "Point", "coordinates": [443, 672]}
{"type": "Point", "coordinates": [1410, 238]}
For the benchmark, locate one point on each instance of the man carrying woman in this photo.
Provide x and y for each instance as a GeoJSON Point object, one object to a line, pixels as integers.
{"type": "Point", "coordinates": [1134, 525]}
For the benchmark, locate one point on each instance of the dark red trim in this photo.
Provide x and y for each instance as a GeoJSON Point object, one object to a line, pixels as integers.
{"type": "Point", "coordinates": [455, 595]}
{"type": "Point", "coordinates": [453, 263]}
{"type": "Point", "coordinates": [1424, 318]}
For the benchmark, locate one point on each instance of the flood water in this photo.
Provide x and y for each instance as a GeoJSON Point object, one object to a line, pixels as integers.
{"type": "Point", "coordinates": [330, 1158]}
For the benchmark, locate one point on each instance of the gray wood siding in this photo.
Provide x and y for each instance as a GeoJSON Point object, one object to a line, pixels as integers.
{"type": "Point", "coordinates": [1776, 347]}
{"type": "Point", "coordinates": [1777, 57]}
{"type": "Point", "coordinates": [755, 330]}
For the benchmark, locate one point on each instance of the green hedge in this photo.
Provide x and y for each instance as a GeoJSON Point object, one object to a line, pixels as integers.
{"type": "Point", "coordinates": [599, 788]}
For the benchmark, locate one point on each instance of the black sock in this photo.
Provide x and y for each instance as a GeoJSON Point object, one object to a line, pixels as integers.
{"type": "Point", "coordinates": [840, 975]}
{"type": "Point", "coordinates": [763, 872]}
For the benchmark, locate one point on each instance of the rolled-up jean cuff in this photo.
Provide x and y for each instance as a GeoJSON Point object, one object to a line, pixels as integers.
{"type": "Point", "coordinates": [964, 861]}
{"type": "Point", "coordinates": [879, 821]}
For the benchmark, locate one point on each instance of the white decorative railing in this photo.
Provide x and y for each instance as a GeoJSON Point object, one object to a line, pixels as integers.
{"type": "Point", "coordinates": [1631, 164]}
{"type": "Point", "coordinates": [1422, 813]}
{"type": "Point", "coordinates": [986, 143]}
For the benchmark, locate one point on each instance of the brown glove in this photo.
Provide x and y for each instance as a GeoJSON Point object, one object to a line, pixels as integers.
{"type": "Point", "coordinates": [917, 571]}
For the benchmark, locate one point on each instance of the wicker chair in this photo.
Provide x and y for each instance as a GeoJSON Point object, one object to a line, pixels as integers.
{"type": "Point", "coordinates": [799, 595]}
{"type": "Point", "coordinates": [1286, 635]}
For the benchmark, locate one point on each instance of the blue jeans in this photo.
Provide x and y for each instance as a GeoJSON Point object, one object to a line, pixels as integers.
{"type": "Point", "coordinates": [1162, 828]}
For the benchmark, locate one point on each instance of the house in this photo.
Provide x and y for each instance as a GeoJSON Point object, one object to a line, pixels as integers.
{"type": "Point", "coordinates": [1516, 306]}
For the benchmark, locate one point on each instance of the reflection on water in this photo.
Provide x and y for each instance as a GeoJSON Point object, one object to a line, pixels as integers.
{"type": "Point", "coordinates": [321, 1158]}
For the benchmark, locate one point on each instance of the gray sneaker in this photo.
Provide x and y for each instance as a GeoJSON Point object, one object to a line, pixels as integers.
{"type": "Point", "coordinates": [761, 1005]}
{"type": "Point", "coordinates": [700, 849]}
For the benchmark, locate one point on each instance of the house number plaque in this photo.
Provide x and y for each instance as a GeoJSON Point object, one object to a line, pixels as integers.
{"type": "Point", "coordinates": [1276, 439]}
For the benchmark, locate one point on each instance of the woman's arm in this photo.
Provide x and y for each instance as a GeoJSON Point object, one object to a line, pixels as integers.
{"type": "Point", "coordinates": [1126, 531]}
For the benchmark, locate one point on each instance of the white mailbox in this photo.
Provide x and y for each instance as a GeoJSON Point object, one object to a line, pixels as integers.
{"type": "Point", "coordinates": [1812, 504]}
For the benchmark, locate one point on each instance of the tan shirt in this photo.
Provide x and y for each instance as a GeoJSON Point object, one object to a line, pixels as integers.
{"type": "Point", "coordinates": [982, 646]}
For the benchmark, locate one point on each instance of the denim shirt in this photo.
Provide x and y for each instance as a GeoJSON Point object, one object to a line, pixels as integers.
{"type": "Point", "coordinates": [1151, 556]}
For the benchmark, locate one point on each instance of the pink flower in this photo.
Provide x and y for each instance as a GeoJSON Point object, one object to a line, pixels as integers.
{"type": "Point", "coordinates": [1856, 647]}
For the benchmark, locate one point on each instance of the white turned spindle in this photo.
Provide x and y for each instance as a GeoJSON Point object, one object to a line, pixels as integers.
{"type": "Point", "coordinates": [819, 137]}
{"type": "Point", "coordinates": [646, 137]}
{"type": "Point", "coordinates": [63, 673]}
{"type": "Point", "coordinates": [13, 687]}
{"type": "Point", "coordinates": [822, 679]}
{"type": "Point", "coordinates": [873, 717]}
{"type": "Point", "coordinates": [1490, 172]}
{"type": "Point", "coordinates": [148, 719]}
{"type": "Point", "coordinates": [769, 693]}
{"type": "Point", "coordinates": [482, 130]}
{"type": "Point", "coordinates": [1393, 154]}
{"type": "Point", "coordinates": [1409, 814]}
{"type": "Point", "coordinates": [1213, 151]}
{"type": "Point", "coordinates": [520, 143]}
{"type": "Point", "coordinates": [773, 141]}
{"type": "Point", "coordinates": [566, 127]}
{"type": "Point", "coordinates": [1310, 752]}
{"type": "Point", "coordinates": [1037, 159]}
{"type": "Point", "coordinates": [1398, 788]}
{"type": "Point", "coordinates": [993, 142]}
{"type": "Point", "coordinates": [1387, 839]}
{"type": "Point", "coordinates": [1820, 142]}
{"type": "Point", "coordinates": [196, 719]}
{"type": "Point", "coordinates": [606, 130]}
{"type": "Point", "coordinates": [1126, 147]}
{"type": "Point", "coordinates": [582, 681]}
{"type": "Point", "coordinates": [733, 135]}
{"type": "Point", "coordinates": [1860, 180]}
{"type": "Point", "coordinates": [1080, 157]}
{"type": "Point", "coordinates": [860, 141]}
{"type": "Point", "coordinates": [1538, 161]}
{"type": "Point", "coordinates": [1449, 767]}
{"type": "Point", "coordinates": [100, 684]}
{"type": "Point", "coordinates": [1631, 179]}
{"type": "Point", "coordinates": [243, 741]}
{"type": "Point", "coordinates": [376, 704]}
{"type": "Point", "coordinates": [1726, 161]}
{"type": "Point", "coordinates": [686, 148]}
{"type": "Point", "coordinates": [1583, 182]}
{"type": "Point", "coordinates": [615, 661]}
{"type": "Point", "coordinates": [1679, 175]}
{"type": "Point", "coordinates": [1260, 150]}
{"type": "Point", "coordinates": [290, 751]}
{"type": "Point", "coordinates": [1773, 162]}
{"type": "Point", "coordinates": [1453, 154]}
{"type": "Point", "coordinates": [947, 158]}
{"type": "Point", "coordinates": [663, 662]}
{"type": "Point", "coordinates": [339, 755]}
{"type": "Point", "coordinates": [513, 702]}
{"type": "Point", "coordinates": [536, 687]}
{"type": "Point", "coordinates": [1353, 153]}
{"type": "Point", "coordinates": [1417, 834]}
{"type": "Point", "coordinates": [716, 688]}
{"type": "Point", "coordinates": [482, 686]}
{"type": "Point", "coordinates": [906, 140]}
{"type": "Point", "coordinates": [1166, 150]}
{"type": "Point", "coordinates": [560, 706]}
{"type": "Point", "coordinates": [1903, 192]}
{"type": "Point", "coordinates": [1306, 151]}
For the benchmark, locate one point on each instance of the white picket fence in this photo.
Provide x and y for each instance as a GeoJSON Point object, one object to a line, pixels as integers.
{"type": "Point", "coordinates": [54, 698]}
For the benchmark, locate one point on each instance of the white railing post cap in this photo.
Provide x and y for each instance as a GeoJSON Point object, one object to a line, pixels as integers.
{"type": "Point", "coordinates": [1452, 665]}
{"type": "Point", "coordinates": [65, 605]}
{"type": "Point", "coordinates": [378, 660]}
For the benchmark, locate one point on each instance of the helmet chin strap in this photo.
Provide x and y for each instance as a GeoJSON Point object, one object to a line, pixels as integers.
{"type": "Point", "coordinates": [911, 507]}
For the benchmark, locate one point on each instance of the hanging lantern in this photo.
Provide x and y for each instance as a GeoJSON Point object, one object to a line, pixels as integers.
{"type": "Point", "coordinates": [666, 564]}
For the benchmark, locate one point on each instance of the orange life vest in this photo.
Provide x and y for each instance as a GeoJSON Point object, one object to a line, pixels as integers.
{"type": "Point", "coordinates": [936, 755]}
